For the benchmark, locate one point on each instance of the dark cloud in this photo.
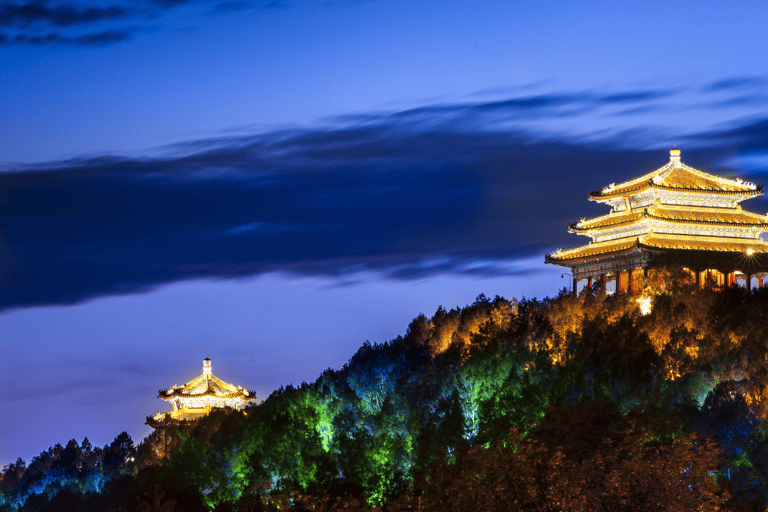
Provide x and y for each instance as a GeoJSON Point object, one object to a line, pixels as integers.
{"type": "Point", "coordinates": [92, 39]}
{"type": "Point", "coordinates": [749, 135]}
{"type": "Point", "coordinates": [757, 100]}
{"type": "Point", "coordinates": [541, 106]}
{"type": "Point", "coordinates": [45, 23]}
{"type": "Point", "coordinates": [410, 194]}
{"type": "Point", "coordinates": [26, 24]}
{"type": "Point", "coordinates": [24, 14]}
{"type": "Point", "coordinates": [736, 83]}
{"type": "Point", "coordinates": [636, 96]}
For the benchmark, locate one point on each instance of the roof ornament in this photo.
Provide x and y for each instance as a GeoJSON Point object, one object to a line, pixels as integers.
{"type": "Point", "coordinates": [674, 156]}
{"type": "Point", "coordinates": [206, 366]}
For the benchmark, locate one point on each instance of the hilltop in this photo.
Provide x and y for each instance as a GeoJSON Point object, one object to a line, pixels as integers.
{"type": "Point", "coordinates": [568, 403]}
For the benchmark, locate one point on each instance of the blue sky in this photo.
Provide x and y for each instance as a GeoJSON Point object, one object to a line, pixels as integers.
{"type": "Point", "coordinates": [270, 184]}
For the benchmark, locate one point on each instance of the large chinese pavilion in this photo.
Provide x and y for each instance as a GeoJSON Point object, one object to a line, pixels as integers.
{"type": "Point", "coordinates": [675, 216]}
{"type": "Point", "coordinates": [198, 397]}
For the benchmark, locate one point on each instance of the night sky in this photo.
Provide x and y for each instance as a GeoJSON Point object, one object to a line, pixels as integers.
{"type": "Point", "coordinates": [270, 184]}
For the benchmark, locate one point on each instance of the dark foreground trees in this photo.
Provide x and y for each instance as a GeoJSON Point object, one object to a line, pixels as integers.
{"type": "Point", "coordinates": [583, 458]}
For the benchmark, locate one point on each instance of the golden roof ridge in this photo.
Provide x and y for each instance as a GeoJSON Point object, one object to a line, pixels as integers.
{"type": "Point", "coordinates": [693, 238]}
{"type": "Point", "coordinates": [193, 388]}
{"type": "Point", "coordinates": [611, 247]}
{"type": "Point", "coordinates": [666, 213]}
{"type": "Point", "coordinates": [656, 241]}
{"type": "Point", "coordinates": [654, 178]}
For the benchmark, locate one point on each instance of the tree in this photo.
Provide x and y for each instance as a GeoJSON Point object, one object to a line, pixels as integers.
{"type": "Point", "coordinates": [116, 454]}
{"type": "Point", "coordinates": [584, 457]}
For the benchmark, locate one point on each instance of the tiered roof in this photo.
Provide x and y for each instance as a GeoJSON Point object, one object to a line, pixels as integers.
{"type": "Point", "coordinates": [674, 208]}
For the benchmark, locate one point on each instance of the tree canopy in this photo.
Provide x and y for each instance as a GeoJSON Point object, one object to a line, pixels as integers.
{"type": "Point", "coordinates": [568, 403]}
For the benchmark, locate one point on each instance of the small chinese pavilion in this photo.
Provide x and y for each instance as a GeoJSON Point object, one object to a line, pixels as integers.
{"type": "Point", "coordinates": [198, 397]}
{"type": "Point", "coordinates": [675, 216]}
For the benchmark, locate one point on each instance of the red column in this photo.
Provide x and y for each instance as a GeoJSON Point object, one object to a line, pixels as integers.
{"type": "Point", "coordinates": [622, 281]}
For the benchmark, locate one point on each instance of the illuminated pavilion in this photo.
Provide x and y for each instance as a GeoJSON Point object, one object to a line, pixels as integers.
{"type": "Point", "coordinates": [673, 217]}
{"type": "Point", "coordinates": [198, 397]}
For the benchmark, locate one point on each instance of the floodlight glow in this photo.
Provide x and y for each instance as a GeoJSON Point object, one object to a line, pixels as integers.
{"type": "Point", "coordinates": [646, 304]}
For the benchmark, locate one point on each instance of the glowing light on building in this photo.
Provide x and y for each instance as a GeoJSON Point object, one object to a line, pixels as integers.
{"type": "Point", "coordinates": [646, 305]}
{"type": "Point", "coordinates": [198, 397]}
{"type": "Point", "coordinates": [675, 216]}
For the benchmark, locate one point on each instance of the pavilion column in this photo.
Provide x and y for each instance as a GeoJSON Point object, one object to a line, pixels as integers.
{"type": "Point", "coordinates": [575, 283]}
{"type": "Point", "coordinates": [622, 281]}
{"type": "Point", "coordinates": [603, 285]}
{"type": "Point", "coordinates": [731, 278]}
{"type": "Point", "coordinates": [589, 282]}
{"type": "Point", "coordinates": [759, 281]}
{"type": "Point", "coordinates": [698, 278]}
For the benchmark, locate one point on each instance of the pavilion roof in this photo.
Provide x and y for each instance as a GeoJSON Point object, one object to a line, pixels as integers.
{"type": "Point", "coordinates": [674, 214]}
{"type": "Point", "coordinates": [676, 176]}
{"type": "Point", "coordinates": [206, 385]}
{"type": "Point", "coordinates": [657, 242]}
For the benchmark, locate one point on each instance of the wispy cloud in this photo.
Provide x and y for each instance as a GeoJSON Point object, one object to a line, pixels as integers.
{"type": "Point", "coordinates": [43, 22]}
{"type": "Point", "coordinates": [405, 194]}
{"type": "Point", "coordinates": [738, 83]}
{"type": "Point", "coordinates": [24, 14]}
{"type": "Point", "coordinates": [89, 39]}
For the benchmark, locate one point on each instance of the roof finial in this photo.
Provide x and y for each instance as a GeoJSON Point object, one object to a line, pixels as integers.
{"type": "Point", "coordinates": [206, 366]}
{"type": "Point", "coordinates": [674, 155]}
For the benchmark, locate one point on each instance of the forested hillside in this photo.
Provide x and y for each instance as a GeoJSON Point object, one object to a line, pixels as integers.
{"type": "Point", "coordinates": [561, 404]}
